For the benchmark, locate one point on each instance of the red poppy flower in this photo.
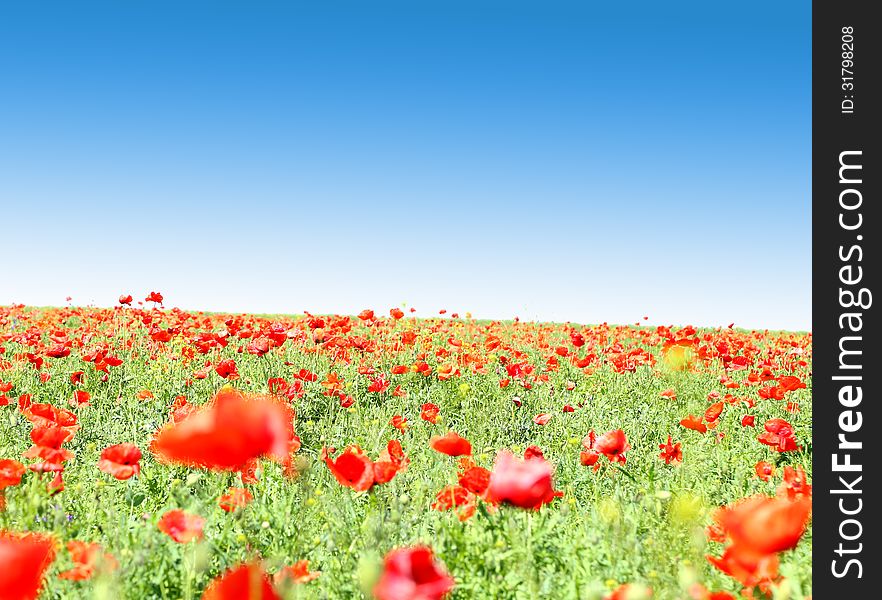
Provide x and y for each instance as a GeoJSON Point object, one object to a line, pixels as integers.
{"type": "Point", "coordinates": [455, 496]}
{"type": "Point", "coordinates": [25, 558]}
{"type": "Point", "coordinates": [248, 474]}
{"type": "Point", "coordinates": [87, 557]}
{"type": "Point", "coordinates": [429, 412]}
{"type": "Point", "coordinates": [669, 393]}
{"type": "Point", "coordinates": [399, 423]}
{"type": "Point", "coordinates": [764, 470]}
{"type": "Point", "coordinates": [523, 483]}
{"type": "Point", "coordinates": [790, 383]}
{"type": "Point", "coordinates": [245, 582]}
{"type": "Point", "coordinates": [11, 472]}
{"type": "Point", "coordinates": [81, 398]}
{"type": "Point", "coordinates": [629, 591]}
{"type": "Point", "coordinates": [235, 498]}
{"type": "Point", "coordinates": [121, 460]}
{"type": "Point", "coordinates": [670, 453]}
{"type": "Point", "coordinates": [451, 444]}
{"type": "Point", "coordinates": [390, 462]}
{"type": "Point", "coordinates": [748, 421]}
{"type": "Point", "coordinates": [180, 526]}
{"type": "Point", "coordinates": [542, 418]}
{"type": "Point", "coordinates": [714, 411]}
{"type": "Point", "coordinates": [352, 468]}
{"type": "Point", "coordinates": [475, 479]}
{"type": "Point", "coordinates": [590, 458]}
{"type": "Point", "coordinates": [749, 569]}
{"type": "Point", "coordinates": [699, 592]}
{"type": "Point", "coordinates": [779, 435]}
{"type": "Point", "coordinates": [47, 444]}
{"type": "Point", "coordinates": [413, 574]}
{"type": "Point", "coordinates": [154, 297]}
{"type": "Point", "coordinates": [795, 484]}
{"type": "Point", "coordinates": [297, 573]}
{"type": "Point", "coordinates": [58, 351]}
{"type": "Point", "coordinates": [613, 445]}
{"type": "Point", "coordinates": [125, 299]}
{"type": "Point", "coordinates": [766, 525]}
{"type": "Point", "coordinates": [533, 452]}
{"type": "Point", "coordinates": [230, 431]}
{"type": "Point", "coordinates": [227, 369]}
{"type": "Point", "coordinates": [694, 424]}
{"type": "Point", "coordinates": [396, 313]}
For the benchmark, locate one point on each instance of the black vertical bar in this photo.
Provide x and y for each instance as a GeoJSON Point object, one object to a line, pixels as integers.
{"type": "Point", "coordinates": [846, 231]}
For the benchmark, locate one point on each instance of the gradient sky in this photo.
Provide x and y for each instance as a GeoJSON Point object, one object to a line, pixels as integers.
{"type": "Point", "coordinates": [561, 161]}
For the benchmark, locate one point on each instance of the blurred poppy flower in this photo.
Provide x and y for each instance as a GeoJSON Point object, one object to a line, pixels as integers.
{"type": "Point", "coordinates": [245, 582]}
{"type": "Point", "coordinates": [413, 574]}
{"type": "Point", "coordinates": [523, 483]}
{"type": "Point", "coordinates": [297, 573]}
{"type": "Point", "coordinates": [758, 528]}
{"type": "Point", "coordinates": [180, 526]}
{"type": "Point", "coordinates": [451, 444]}
{"type": "Point", "coordinates": [235, 498]}
{"type": "Point", "coordinates": [25, 557]}
{"type": "Point", "coordinates": [227, 433]}
{"type": "Point", "coordinates": [669, 393]}
{"type": "Point", "coordinates": [87, 557]}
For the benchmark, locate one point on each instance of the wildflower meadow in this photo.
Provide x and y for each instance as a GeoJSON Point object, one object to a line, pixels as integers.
{"type": "Point", "coordinates": [154, 452]}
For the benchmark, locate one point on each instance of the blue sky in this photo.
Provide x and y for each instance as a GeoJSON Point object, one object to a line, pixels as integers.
{"type": "Point", "coordinates": [551, 160]}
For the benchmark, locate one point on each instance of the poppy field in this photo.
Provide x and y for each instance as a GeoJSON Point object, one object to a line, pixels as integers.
{"type": "Point", "coordinates": [152, 452]}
